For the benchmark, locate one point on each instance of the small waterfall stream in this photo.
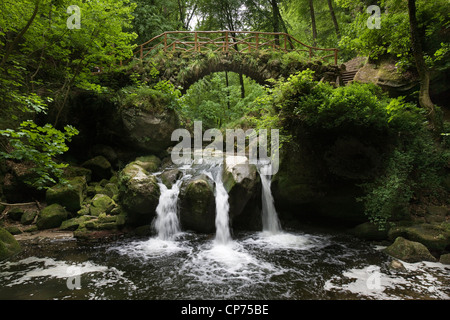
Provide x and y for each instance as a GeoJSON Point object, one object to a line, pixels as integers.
{"type": "Point", "coordinates": [270, 220]}
{"type": "Point", "coordinates": [223, 235]}
{"type": "Point", "coordinates": [166, 223]}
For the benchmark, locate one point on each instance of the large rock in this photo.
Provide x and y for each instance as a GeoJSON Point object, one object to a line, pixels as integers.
{"type": "Point", "coordinates": [409, 251]}
{"type": "Point", "coordinates": [436, 237]}
{"type": "Point", "coordinates": [197, 204]}
{"type": "Point", "coordinates": [149, 130]}
{"type": "Point", "coordinates": [241, 181]}
{"type": "Point", "coordinates": [8, 244]}
{"type": "Point", "coordinates": [100, 168]}
{"type": "Point", "coordinates": [138, 194]}
{"type": "Point", "coordinates": [70, 195]}
{"type": "Point", "coordinates": [51, 217]}
{"type": "Point", "coordinates": [101, 203]}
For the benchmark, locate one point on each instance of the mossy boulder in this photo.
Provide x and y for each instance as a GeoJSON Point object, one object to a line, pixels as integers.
{"type": "Point", "coordinates": [74, 171]}
{"type": "Point", "coordinates": [409, 251]}
{"type": "Point", "coordinates": [15, 214]}
{"type": "Point", "coordinates": [51, 217]}
{"type": "Point", "coordinates": [13, 230]}
{"type": "Point", "coordinates": [435, 236]}
{"type": "Point", "coordinates": [445, 258]}
{"type": "Point", "coordinates": [74, 223]}
{"type": "Point", "coordinates": [8, 244]}
{"type": "Point", "coordinates": [150, 163]}
{"type": "Point", "coordinates": [70, 195]}
{"type": "Point", "coordinates": [138, 194]}
{"type": "Point", "coordinates": [197, 204]}
{"type": "Point", "coordinates": [28, 217]}
{"type": "Point", "coordinates": [100, 168]}
{"type": "Point", "coordinates": [101, 203]}
{"type": "Point", "coordinates": [149, 130]}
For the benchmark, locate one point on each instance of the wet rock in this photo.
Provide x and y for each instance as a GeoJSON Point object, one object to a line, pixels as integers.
{"type": "Point", "coordinates": [445, 258]}
{"type": "Point", "coordinates": [197, 204]}
{"type": "Point", "coordinates": [436, 237]}
{"type": "Point", "coordinates": [138, 194]}
{"type": "Point", "coordinates": [169, 177]}
{"type": "Point", "coordinates": [149, 163]}
{"type": "Point", "coordinates": [70, 195]}
{"type": "Point", "coordinates": [409, 251]}
{"type": "Point", "coordinates": [397, 265]}
{"type": "Point", "coordinates": [149, 130]}
{"type": "Point", "coordinates": [242, 182]}
{"type": "Point", "coordinates": [51, 217]}
{"type": "Point", "coordinates": [8, 244]}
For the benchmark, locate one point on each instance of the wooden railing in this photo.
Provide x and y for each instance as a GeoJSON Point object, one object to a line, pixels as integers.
{"type": "Point", "coordinates": [229, 41]}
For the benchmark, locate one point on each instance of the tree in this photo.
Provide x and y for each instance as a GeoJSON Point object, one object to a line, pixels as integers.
{"type": "Point", "coordinates": [313, 21]}
{"type": "Point", "coordinates": [333, 18]}
{"type": "Point", "coordinates": [422, 69]}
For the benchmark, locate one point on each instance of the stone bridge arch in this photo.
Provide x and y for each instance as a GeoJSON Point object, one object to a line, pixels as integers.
{"type": "Point", "coordinates": [184, 57]}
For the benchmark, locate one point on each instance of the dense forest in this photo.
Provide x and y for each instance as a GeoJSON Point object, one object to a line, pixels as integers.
{"type": "Point", "coordinates": [375, 149]}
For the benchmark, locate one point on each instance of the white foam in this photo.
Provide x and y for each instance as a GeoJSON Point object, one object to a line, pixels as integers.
{"type": "Point", "coordinates": [151, 248]}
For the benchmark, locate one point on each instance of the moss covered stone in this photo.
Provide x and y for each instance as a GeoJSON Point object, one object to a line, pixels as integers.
{"type": "Point", "coordinates": [8, 244]}
{"type": "Point", "coordinates": [51, 217]}
{"type": "Point", "coordinates": [138, 194]}
{"type": "Point", "coordinates": [100, 168]}
{"type": "Point", "coordinates": [435, 236]}
{"type": "Point", "coordinates": [28, 217]}
{"type": "Point", "coordinates": [70, 195]}
{"type": "Point", "coordinates": [409, 251]}
{"type": "Point", "coordinates": [15, 214]}
{"type": "Point", "coordinates": [74, 223]}
{"type": "Point", "coordinates": [101, 203]}
{"type": "Point", "coordinates": [198, 205]}
{"type": "Point", "coordinates": [445, 258]}
{"type": "Point", "coordinates": [150, 163]}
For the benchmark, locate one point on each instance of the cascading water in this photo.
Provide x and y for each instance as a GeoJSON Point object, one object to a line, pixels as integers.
{"type": "Point", "coordinates": [166, 223]}
{"type": "Point", "coordinates": [270, 220]}
{"type": "Point", "coordinates": [223, 235]}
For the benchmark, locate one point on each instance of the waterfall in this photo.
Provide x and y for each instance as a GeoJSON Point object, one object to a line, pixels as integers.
{"type": "Point", "coordinates": [166, 223]}
{"type": "Point", "coordinates": [269, 214]}
{"type": "Point", "coordinates": [223, 235]}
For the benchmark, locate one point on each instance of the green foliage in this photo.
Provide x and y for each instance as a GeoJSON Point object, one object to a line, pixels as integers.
{"type": "Point", "coordinates": [38, 146]}
{"type": "Point", "coordinates": [411, 161]}
{"type": "Point", "coordinates": [394, 36]}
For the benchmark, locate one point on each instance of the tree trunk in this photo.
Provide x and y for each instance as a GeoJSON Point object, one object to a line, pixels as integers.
{"type": "Point", "coordinates": [228, 93]}
{"type": "Point", "coordinates": [422, 69]}
{"type": "Point", "coordinates": [333, 17]}
{"type": "Point", "coordinates": [313, 21]}
{"type": "Point", "coordinates": [275, 20]}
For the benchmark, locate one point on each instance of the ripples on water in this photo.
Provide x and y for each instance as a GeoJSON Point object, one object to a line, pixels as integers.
{"type": "Point", "coordinates": [252, 266]}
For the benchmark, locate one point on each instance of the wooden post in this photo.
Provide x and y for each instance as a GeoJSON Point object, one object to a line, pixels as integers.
{"type": "Point", "coordinates": [141, 52]}
{"type": "Point", "coordinates": [335, 56]}
{"type": "Point", "coordinates": [257, 41]}
{"type": "Point", "coordinates": [165, 42]}
{"type": "Point", "coordinates": [285, 40]}
{"type": "Point", "coordinates": [226, 41]}
{"type": "Point", "coordinates": [310, 53]}
{"type": "Point", "coordinates": [195, 42]}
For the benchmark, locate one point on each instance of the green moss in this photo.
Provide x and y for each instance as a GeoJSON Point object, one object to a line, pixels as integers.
{"type": "Point", "coordinates": [51, 217]}
{"type": "Point", "coordinates": [28, 217]}
{"type": "Point", "coordinates": [8, 244]}
{"type": "Point", "coordinates": [409, 251]}
{"type": "Point", "coordinates": [70, 195]}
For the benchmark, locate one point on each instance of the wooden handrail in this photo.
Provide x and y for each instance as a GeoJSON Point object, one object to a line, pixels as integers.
{"type": "Point", "coordinates": [227, 41]}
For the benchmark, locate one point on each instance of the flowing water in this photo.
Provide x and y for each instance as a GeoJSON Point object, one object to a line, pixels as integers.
{"type": "Point", "coordinates": [273, 264]}
{"type": "Point", "coordinates": [270, 220]}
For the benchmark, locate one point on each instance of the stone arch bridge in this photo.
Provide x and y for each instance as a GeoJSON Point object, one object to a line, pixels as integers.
{"type": "Point", "coordinates": [184, 57]}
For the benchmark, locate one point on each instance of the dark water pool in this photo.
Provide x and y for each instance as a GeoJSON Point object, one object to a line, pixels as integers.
{"type": "Point", "coordinates": [288, 266]}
